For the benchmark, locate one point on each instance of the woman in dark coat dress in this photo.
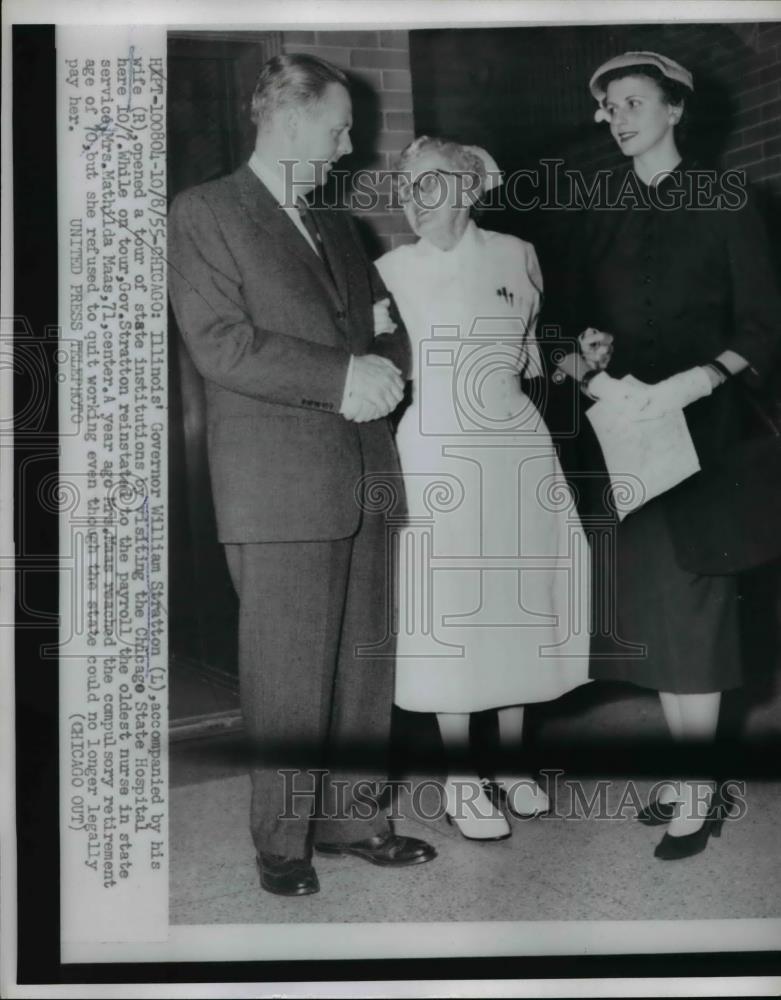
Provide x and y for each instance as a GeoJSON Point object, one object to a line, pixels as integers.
{"type": "Point", "coordinates": [679, 278]}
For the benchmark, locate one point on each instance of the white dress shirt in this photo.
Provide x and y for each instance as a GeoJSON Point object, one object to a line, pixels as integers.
{"type": "Point", "coordinates": [275, 182]}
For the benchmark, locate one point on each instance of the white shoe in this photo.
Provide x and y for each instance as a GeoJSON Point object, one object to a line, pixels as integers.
{"type": "Point", "coordinates": [523, 797]}
{"type": "Point", "coordinates": [469, 807]}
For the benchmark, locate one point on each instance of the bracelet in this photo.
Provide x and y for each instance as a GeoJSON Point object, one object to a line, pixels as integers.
{"type": "Point", "coordinates": [720, 368]}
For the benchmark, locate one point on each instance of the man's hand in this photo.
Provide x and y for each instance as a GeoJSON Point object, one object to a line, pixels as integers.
{"type": "Point", "coordinates": [596, 348]}
{"type": "Point", "coordinates": [360, 413]}
{"type": "Point", "coordinates": [374, 388]}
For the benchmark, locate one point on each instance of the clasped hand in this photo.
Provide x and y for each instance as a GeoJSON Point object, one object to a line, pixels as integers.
{"type": "Point", "coordinates": [375, 388]}
{"type": "Point", "coordinates": [596, 347]}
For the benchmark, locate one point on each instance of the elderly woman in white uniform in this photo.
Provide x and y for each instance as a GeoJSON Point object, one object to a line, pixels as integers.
{"type": "Point", "coordinates": [493, 563]}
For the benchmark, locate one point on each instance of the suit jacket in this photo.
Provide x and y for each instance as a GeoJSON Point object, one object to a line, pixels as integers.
{"type": "Point", "coordinates": [271, 333]}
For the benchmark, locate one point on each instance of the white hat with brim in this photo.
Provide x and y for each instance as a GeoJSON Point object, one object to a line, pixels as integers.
{"type": "Point", "coordinates": [670, 68]}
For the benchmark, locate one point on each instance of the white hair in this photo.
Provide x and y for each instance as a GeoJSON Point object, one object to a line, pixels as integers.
{"type": "Point", "coordinates": [458, 156]}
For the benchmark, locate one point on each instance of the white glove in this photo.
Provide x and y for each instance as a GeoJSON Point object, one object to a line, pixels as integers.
{"type": "Point", "coordinates": [382, 319]}
{"type": "Point", "coordinates": [627, 394]}
{"type": "Point", "coordinates": [677, 392]}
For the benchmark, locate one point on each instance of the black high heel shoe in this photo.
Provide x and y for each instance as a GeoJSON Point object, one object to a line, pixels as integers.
{"type": "Point", "coordinates": [677, 848]}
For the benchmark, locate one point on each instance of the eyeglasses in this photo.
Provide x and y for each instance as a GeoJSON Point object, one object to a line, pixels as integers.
{"type": "Point", "coordinates": [429, 182]}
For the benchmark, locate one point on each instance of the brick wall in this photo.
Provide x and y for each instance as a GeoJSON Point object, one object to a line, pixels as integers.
{"type": "Point", "coordinates": [378, 65]}
{"type": "Point", "coordinates": [755, 143]}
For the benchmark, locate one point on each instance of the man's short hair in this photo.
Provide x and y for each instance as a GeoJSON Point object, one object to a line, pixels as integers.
{"type": "Point", "coordinates": [294, 80]}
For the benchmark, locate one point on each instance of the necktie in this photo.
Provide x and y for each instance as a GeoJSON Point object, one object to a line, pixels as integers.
{"type": "Point", "coordinates": [309, 224]}
{"type": "Point", "coordinates": [308, 219]}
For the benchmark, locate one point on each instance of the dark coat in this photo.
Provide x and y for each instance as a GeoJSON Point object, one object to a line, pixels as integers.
{"type": "Point", "coordinates": [676, 285]}
{"type": "Point", "coordinates": [272, 337]}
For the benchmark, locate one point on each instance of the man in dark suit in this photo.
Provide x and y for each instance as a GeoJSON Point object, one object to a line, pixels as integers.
{"type": "Point", "coordinates": [275, 302]}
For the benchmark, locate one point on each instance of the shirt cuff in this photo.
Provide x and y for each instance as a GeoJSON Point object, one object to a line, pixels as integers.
{"type": "Point", "coordinates": [348, 383]}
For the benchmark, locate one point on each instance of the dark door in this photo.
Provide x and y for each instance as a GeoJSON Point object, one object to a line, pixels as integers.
{"type": "Point", "coordinates": [210, 80]}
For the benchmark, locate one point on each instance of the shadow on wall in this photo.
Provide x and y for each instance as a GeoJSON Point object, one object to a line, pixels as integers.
{"type": "Point", "coordinates": [367, 124]}
{"type": "Point", "coordinates": [713, 113]}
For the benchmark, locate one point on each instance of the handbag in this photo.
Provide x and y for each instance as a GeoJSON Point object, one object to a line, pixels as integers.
{"type": "Point", "coordinates": [727, 518]}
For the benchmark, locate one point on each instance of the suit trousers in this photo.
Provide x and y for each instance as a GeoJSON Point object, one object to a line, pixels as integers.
{"type": "Point", "coordinates": [316, 711]}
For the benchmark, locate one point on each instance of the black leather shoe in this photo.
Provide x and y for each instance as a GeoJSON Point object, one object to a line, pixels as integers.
{"type": "Point", "coordinates": [287, 876]}
{"type": "Point", "coordinates": [389, 851]}
{"type": "Point", "coordinates": [657, 813]}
